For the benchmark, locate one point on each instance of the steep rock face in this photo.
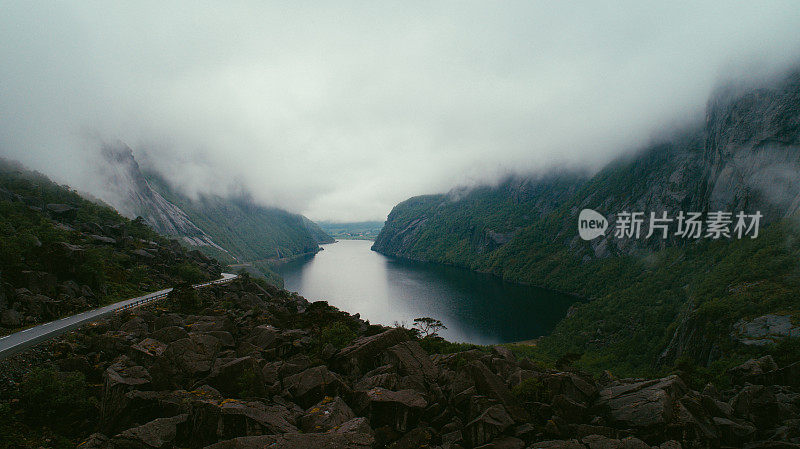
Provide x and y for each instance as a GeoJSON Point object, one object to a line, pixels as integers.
{"type": "Point", "coordinates": [132, 195]}
{"type": "Point", "coordinates": [231, 228]}
{"type": "Point", "coordinates": [753, 149]}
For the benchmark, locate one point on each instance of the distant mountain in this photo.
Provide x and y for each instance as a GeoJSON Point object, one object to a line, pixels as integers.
{"type": "Point", "coordinates": [359, 230]}
{"type": "Point", "coordinates": [132, 195]}
{"type": "Point", "coordinates": [233, 229]}
{"type": "Point", "coordinates": [653, 302]}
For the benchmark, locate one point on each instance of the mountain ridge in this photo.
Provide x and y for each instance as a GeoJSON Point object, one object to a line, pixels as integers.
{"type": "Point", "coordinates": [233, 229]}
{"type": "Point", "coordinates": [671, 294]}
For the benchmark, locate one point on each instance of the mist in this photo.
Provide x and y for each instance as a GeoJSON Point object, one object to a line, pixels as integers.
{"type": "Point", "coordinates": [339, 110]}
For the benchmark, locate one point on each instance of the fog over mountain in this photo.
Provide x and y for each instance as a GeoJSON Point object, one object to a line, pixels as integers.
{"type": "Point", "coordinates": [340, 110]}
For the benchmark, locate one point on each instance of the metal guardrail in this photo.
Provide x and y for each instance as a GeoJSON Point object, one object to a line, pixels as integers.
{"type": "Point", "coordinates": [19, 341]}
{"type": "Point", "coordinates": [164, 293]}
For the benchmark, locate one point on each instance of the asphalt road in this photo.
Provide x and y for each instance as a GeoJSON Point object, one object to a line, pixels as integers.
{"type": "Point", "coordinates": [14, 343]}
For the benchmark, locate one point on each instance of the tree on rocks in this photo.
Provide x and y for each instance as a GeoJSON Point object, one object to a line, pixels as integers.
{"type": "Point", "coordinates": [428, 327]}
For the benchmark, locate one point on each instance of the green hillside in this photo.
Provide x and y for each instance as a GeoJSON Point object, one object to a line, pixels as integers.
{"type": "Point", "coordinates": [249, 233]}
{"type": "Point", "coordinates": [60, 253]}
{"type": "Point", "coordinates": [653, 303]}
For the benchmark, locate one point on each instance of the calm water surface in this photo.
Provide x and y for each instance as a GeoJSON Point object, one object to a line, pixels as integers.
{"type": "Point", "coordinates": [476, 308]}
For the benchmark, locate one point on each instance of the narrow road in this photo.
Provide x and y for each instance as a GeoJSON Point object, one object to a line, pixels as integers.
{"type": "Point", "coordinates": [14, 343]}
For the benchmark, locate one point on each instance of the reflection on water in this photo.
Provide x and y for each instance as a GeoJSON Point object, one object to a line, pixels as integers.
{"type": "Point", "coordinates": [476, 308]}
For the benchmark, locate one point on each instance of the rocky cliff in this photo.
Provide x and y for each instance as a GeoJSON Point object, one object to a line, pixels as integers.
{"type": "Point", "coordinates": [234, 229]}
{"type": "Point", "coordinates": [133, 196]}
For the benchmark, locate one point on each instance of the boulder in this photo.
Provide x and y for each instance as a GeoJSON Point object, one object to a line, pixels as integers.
{"type": "Point", "coordinates": [167, 320]}
{"type": "Point", "coordinates": [239, 377]}
{"type": "Point", "coordinates": [570, 385]}
{"type": "Point", "coordinates": [491, 385]}
{"type": "Point", "coordinates": [504, 442]}
{"type": "Point", "coordinates": [365, 352]}
{"type": "Point", "coordinates": [752, 369]}
{"type": "Point", "coordinates": [558, 444]}
{"type": "Point", "coordinates": [103, 239]}
{"type": "Point", "coordinates": [185, 358]}
{"type": "Point", "coordinates": [350, 440]}
{"type": "Point", "coordinates": [313, 384]}
{"type": "Point", "coordinates": [95, 441]}
{"type": "Point", "coordinates": [411, 360]}
{"type": "Point", "coordinates": [491, 423]}
{"type": "Point", "coordinates": [764, 406]}
{"type": "Point", "coordinates": [159, 433]}
{"type": "Point", "coordinates": [603, 442]}
{"type": "Point", "coordinates": [249, 301]}
{"type": "Point", "coordinates": [765, 330]}
{"type": "Point", "coordinates": [209, 323]}
{"type": "Point", "coordinates": [357, 425]}
{"type": "Point", "coordinates": [732, 433]}
{"type": "Point", "coordinates": [147, 351]}
{"type": "Point", "coordinates": [327, 414]}
{"type": "Point", "coordinates": [62, 211]}
{"type": "Point", "coordinates": [265, 336]}
{"type": "Point", "coordinates": [399, 410]}
{"type": "Point", "coordinates": [118, 379]}
{"type": "Point", "coordinates": [419, 437]}
{"type": "Point", "coordinates": [170, 334]}
{"type": "Point", "coordinates": [135, 326]}
{"type": "Point", "coordinates": [644, 405]}
{"type": "Point", "coordinates": [212, 419]}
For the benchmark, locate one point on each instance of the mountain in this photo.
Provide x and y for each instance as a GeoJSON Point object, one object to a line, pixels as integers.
{"type": "Point", "coordinates": [131, 194]}
{"type": "Point", "coordinates": [61, 253]}
{"type": "Point", "coordinates": [233, 229]}
{"type": "Point", "coordinates": [650, 303]}
{"type": "Point", "coordinates": [360, 230]}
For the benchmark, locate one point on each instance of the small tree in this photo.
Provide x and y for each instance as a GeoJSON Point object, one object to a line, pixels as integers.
{"type": "Point", "coordinates": [428, 327]}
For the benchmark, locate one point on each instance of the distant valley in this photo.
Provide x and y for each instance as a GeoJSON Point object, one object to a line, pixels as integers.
{"type": "Point", "coordinates": [360, 230]}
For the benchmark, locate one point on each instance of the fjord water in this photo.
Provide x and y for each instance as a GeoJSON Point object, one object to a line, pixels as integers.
{"type": "Point", "coordinates": [475, 307]}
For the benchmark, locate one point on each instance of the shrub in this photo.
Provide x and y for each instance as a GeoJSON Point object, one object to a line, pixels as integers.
{"type": "Point", "coordinates": [338, 334]}
{"type": "Point", "coordinates": [55, 398]}
{"type": "Point", "coordinates": [530, 390]}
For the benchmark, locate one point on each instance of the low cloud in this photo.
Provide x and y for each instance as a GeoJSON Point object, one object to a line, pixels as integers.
{"type": "Point", "coordinates": [340, 110]}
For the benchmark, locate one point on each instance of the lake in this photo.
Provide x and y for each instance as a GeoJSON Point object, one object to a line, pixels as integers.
{"type": "Point", "coordinates": [476, 308]}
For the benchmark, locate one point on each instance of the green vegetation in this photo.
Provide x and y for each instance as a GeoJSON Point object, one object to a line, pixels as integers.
{"type": "Point", "coordinates": [360, 230]}
{"type": "Point", "coordinates": [249, 233]}
{"type": "Point", "coordinates": [337, 334]}
{"type": "Point", "coordinates": [51, 397]}
{"type": "Point", "coordinates": [49, 235]}
{"type": "Point", "coordinates": [638, 300]}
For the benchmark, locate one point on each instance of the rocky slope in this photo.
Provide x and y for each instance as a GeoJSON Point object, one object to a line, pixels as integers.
{"type": "Point", "coordinates": [60, 254]}
{"type": "Point", "coordinates": [250, 366]}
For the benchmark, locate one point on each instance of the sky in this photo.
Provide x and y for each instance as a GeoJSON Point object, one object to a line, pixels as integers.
{"type": "Point", "coordinates": [340, 110]}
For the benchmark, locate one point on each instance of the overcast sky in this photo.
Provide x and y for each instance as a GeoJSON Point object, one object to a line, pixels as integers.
{"type": "Point", "coordinates": [340, 110]}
